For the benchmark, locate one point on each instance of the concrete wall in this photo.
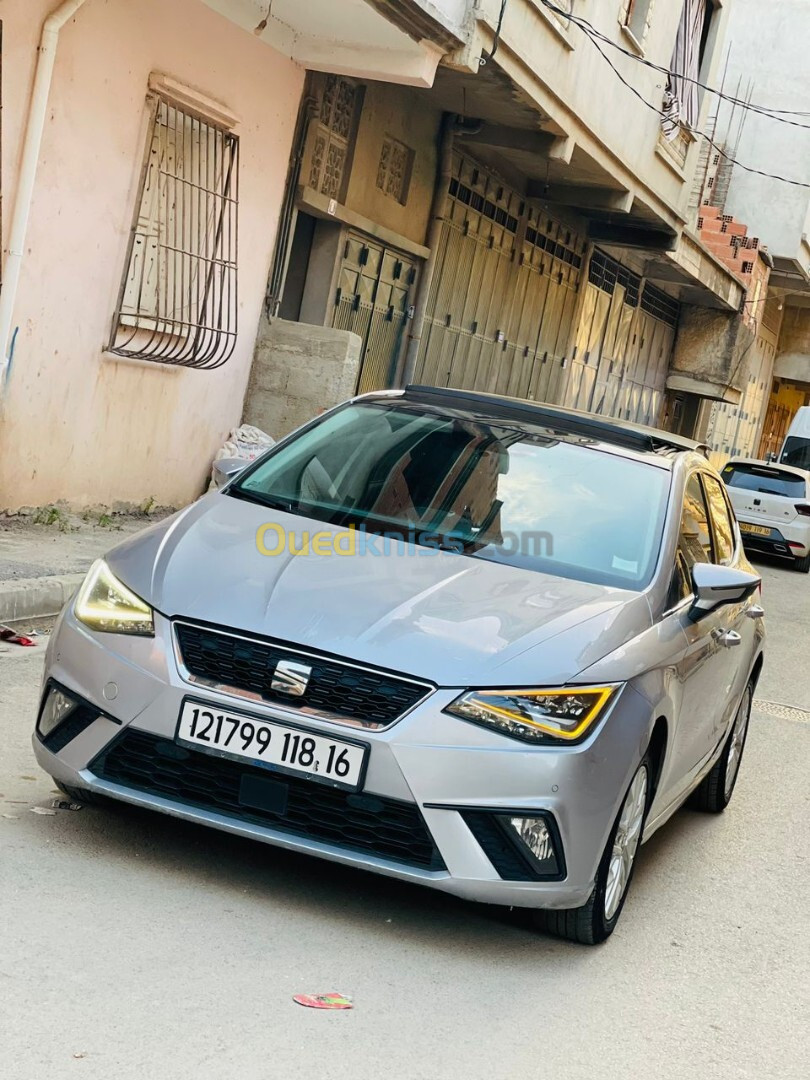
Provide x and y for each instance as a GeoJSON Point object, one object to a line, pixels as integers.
{"type": "Point", "coordinates": [403, 115]}
{"type": "Point", "coordinates": [769, 48]}
{"type": "Point", "coordinates": [712, 348]}
{"type": "Point", "coordinates": [793, 359]}
{"type": "Point", "coordinates": [299, 371]}
{"type": "Point", "coordinates": [400, 113]}
{"type": "Point", "coordinates": [76, 423]}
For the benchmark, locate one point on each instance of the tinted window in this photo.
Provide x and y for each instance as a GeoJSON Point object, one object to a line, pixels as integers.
{"type": "Point", "coordinates": [696, 541]}
{"type": "Point", "coordinates": [796, 452]}
{"type": "Point", "coordinates": [723, 527]}
{"type": "Point", "coordinates": [765, 479]}
{"type": "Point", "coordinates": [517, 495]}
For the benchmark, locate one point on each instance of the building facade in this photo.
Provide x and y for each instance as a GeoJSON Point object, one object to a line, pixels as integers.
{"type": "Point", "coordinates": [522, 226]}
{"type": "Point", "coordinates": [252, 211]}
{"type": "Point", "coordinates": [766, 65]}
{"type": "Point", "coordinates": [145, 148]}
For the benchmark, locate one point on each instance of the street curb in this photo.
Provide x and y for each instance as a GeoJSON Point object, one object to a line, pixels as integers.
{"type": "Point", "coordinates": [36, 598]}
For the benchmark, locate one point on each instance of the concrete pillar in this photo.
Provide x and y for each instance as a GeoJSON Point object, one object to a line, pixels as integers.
{"type": "Point", "coordinates": [793, 353]}
{"type": "Point", "coordinates": [711, 355]}
{"type": "Point", "coordinates": [299, 371]}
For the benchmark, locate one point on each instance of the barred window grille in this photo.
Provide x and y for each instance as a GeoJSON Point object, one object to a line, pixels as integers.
{"type": "Point", "coordinates": [333, 134]}
{"type": "Point", "coordinates": [178, 299]}
{"type": "Point", "coordinates": [660, 305]}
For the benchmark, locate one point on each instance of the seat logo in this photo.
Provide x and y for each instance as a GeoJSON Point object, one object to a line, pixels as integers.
{"type": "Point", "coordinates": [291, 678]}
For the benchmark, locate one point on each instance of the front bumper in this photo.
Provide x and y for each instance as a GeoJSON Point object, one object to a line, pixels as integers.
{"type": "Point", "coordinates": [428, 768]}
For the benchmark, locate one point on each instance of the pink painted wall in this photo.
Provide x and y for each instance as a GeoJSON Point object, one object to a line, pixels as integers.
{"type": "Point", "coordinates": [75, 423]}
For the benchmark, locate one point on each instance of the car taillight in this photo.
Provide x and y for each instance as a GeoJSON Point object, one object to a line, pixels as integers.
{"type": "Point", "coordinates": [803, 510]}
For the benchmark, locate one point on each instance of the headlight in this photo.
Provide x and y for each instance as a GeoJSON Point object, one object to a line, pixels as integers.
{"type": "Point", "coordinates": [536, 715]}
{"type": "Point", "coordinates": [105, 603]}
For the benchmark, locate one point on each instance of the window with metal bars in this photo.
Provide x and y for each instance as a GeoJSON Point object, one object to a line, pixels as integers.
{"type": "Point", "coordinates": [178, 299]}
{"type": "Point", "coordinates": [660, 305]}
{"type": "Point", "coordinates": [606, 273]}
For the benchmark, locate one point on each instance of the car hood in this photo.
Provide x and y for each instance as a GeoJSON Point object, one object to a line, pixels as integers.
{"type": "Point", "coordinates": [449, 618]}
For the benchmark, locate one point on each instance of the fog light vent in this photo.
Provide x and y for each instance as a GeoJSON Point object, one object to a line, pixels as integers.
{"type": "Point", "coordinates": [56, 708]}
{"type": "Point", "coordinates": [536, 835]}
{"type": "Point", "coordinates": [519, 846]}
{"type": "Point", "coordinates": [63, 716]}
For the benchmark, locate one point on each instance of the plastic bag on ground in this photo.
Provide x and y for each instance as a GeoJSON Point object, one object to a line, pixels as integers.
{"type": "Point", "coordinates": [246, 442]}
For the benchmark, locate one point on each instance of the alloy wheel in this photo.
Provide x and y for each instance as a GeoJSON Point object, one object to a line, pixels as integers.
{"type": "Point", "coordinates": [735, 747]}
{"type": "Point", "coordinates": [626, 842]}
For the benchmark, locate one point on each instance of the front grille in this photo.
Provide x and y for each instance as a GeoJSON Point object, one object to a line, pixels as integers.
{"type": "Point", "coordinates": [360, 823]}
{"type": "Point", "coordinates": [336, 689]}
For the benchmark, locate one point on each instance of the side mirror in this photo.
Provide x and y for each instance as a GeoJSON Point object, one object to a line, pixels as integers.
{"type": "Point", "coordinates": [226, 469]}
{"type": "Point", "coordinates": [715, 586]}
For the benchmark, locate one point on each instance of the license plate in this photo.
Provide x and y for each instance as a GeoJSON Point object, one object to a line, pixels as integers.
{"type": "Point", "coordinates": [282, 748]}
{"type": "Point", "coordinates": [756, 530]}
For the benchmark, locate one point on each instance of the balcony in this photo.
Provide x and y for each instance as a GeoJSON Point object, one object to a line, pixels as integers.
{"type": "Point", "coordinates": [372, 40]}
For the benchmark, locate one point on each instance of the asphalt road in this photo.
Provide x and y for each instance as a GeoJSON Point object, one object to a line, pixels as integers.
{"type": "Point", "coordinates": [135, 946]}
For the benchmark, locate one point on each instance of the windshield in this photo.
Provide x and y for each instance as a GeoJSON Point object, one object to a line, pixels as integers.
{"type": "Point", "coordinates": [796, 452]}
{"type": "Point", "coordinates": [512, 495]}
{"type": "Point", "coordinates": [765, 480]}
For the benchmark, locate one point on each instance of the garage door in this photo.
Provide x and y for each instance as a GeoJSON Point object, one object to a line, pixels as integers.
{"type": "Point", "coordinates": [624, 340]}
{"type": "Point", "coordinates": [502, 299]}
{"type": "Point", "coordinates": [372, 300]}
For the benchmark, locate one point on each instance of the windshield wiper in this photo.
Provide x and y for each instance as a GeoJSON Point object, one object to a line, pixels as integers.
{"type": "Point", "coordinates": [272, 502]}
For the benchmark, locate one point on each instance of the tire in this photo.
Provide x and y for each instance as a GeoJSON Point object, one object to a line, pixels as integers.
{"type": "Point", "coordinates": [714, 792]}
{"type": "Point", "coordinates": [803, 565]}
{"type": "Point", "coordinates": [80, 795]}
{"type": "Point", "coordinates": [596, 920]}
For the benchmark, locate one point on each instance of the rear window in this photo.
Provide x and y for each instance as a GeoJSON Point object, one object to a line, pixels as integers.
{"type": "Point", "coordinates": [765, 480]}
{"type": "Point", "coordinates": [796, 452]}
{"type": "Point", "coordinates": [486, 490]}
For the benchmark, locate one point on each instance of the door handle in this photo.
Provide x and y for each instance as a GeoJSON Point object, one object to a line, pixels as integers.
{"type": "Point", "coordinates": [727, 638]}
{"type": "Point", "coordinates": [755, 612]}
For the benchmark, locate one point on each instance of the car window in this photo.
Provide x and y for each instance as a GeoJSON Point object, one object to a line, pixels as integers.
{"type": "Point", "coordinates": [796, 452]}
{"type": "Point", "coordinates": [696, 539]}
{"type": "Point", "coordinates": [494, 490]}
{"type": "Point", "coordinates": [721, 521]}
{"type": "Point", "coordinates": [765, 479]}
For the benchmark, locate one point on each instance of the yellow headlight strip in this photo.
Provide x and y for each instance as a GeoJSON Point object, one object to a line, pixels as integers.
{"type": "Point", "coordinates": [90, 608]}
{"type": "Point", "coordinates": [603, 694]}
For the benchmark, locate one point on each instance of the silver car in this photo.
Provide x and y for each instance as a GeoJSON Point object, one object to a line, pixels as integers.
{"type": "Point", "coordinates": [481, 644]}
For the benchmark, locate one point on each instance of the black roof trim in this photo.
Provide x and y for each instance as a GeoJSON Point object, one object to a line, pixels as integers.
{"type": "Point", "coordinates": [570, 421]}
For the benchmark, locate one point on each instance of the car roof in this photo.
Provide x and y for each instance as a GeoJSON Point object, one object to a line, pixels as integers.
{"type": "Point", "coordinates": [776, 466]}
{"type": "Point", "coordinates": [643, 442]}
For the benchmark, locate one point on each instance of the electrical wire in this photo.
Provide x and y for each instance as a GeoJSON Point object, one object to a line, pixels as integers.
{"type": "Point", "coordinates": [497, 39]}
{"type": "Point", "coordinates": [693, 131]}
{"type": "Point", "coordinates": [590, 30]}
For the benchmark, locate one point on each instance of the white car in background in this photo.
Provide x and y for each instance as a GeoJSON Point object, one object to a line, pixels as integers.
{"type": "Point", "coordinates": [772, 504]}
{"type": "Point", "coordinates": [796, 447]}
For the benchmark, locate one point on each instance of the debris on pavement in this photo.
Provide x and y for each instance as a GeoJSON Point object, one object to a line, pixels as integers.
{"type": "Point", "coordinates": [323, 1001]}
{"type": "Point", "coordinates": [42, 810]}
{"type": "Point", "coordinates": [63, 804]}
{"type": "Point", "coordinates": [13, 638]}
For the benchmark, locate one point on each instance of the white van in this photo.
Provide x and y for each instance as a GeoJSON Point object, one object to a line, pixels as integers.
{"type": "Point", "coordinates": [796, 447]}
